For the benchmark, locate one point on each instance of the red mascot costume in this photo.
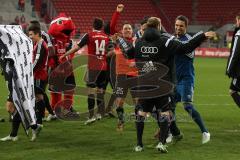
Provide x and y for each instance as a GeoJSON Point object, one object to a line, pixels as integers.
{"type": "Point", "coordinates": [61, 29]}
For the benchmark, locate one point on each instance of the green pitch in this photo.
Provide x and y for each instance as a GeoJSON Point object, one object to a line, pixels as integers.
{"type": "Point", "coordinates": [61, 140]}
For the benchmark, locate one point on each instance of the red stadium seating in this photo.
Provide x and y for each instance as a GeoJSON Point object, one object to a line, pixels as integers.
{"type": "Point", "coordinates": [217, 11]}
{"type": "Point", "coordinates": [83, 11]}
{"type": "Point", "coordinates": [172, 8]}
{"type": "Point", "coordinates": [208, 12]}
{"type": "Point", "coordinates": [205, 12]}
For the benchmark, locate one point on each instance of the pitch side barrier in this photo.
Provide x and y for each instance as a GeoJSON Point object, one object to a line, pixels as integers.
{"type": "Point", "coordinates": [212, 52]}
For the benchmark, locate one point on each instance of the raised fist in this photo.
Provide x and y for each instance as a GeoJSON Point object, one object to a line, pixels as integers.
{"type": "Point", "coordinates": [210, 34]}
{"type": "Point", "coordinates": [120, 7]}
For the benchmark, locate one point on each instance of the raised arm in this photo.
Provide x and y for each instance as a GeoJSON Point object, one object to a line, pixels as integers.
{"type": "Point", "coordinates": [80, 44]}
{"type": "Point", "coordinates": [115, 18]}
{"type": "Point", "coordinates": [176, 47]}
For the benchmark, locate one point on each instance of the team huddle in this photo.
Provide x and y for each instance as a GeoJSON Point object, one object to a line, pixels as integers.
{"type": "Point", "coordinates": [154, 66]}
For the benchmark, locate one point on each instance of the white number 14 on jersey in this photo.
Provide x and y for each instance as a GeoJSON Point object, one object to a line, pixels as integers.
{"type": "Point", "coordinates": [100, 48]}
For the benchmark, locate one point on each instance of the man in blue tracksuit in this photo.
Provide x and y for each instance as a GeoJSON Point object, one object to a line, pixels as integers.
{"type": "Point", "coordinates": [185, 77]}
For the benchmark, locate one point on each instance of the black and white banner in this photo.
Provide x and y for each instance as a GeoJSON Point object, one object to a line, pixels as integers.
{"type": "Point", "coordinates": [19, 49]}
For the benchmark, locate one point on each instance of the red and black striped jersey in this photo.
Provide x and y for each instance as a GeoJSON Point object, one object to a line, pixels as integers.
{"type": "Point", "coordinates": [40, 58]}
{"type": "Point", "coordinates": [96, 42]}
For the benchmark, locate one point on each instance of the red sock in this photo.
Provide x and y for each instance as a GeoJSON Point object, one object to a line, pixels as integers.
{"type": "Point", "coordinates": [68, 100]}
{"type": "Point", "coordinates": [55, 98]}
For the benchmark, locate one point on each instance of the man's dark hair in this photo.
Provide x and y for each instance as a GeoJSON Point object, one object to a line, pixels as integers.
{"type": "Point", "coordinates": [128, 23]}
{"type": "Point", "coordinates": [97, 23]}
{"type": "Point", "coordinates": [35, 23]}
{"type": "Point", "coordinates": [106, 28]}
{"type": "Point", "coordinates": [35, 30]}
{"type": "Point", "coordinates": [144, 20]}
{"type": "Point", "coordinates": [13, 23]}
{"type": "Point", "coordinates": [182, 18]}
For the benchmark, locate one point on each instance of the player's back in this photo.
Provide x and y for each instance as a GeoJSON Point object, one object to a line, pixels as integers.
{"type": "Point", "coordinates": [96, 49]}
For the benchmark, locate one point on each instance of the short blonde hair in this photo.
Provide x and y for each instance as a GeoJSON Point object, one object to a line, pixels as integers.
{"type": "Point", "coordinates": [153, 22]}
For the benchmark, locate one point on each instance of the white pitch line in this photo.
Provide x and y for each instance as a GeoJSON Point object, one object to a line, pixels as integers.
{"type": "Point", "coordinates": [232, 131]}
{"type": "Point", "coordinates": [215, 104]}
{"type": "Point", "coordinates": [200, 104]}
{"type": "Point", "coordinates": [212, 95]}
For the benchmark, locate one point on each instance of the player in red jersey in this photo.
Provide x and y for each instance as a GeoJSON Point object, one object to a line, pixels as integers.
{"type": "Point", "coordinates": [48, 41]}
{"type": "Point", "coordinates": [40, 56]}
{"type": "Point", "coordinates": [96, 41]}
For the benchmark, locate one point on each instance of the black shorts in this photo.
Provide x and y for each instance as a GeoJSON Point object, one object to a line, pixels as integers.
{"type": "Point", "coordinates": [162, 104]}
{"type": "Point", "coordinates": [121, 86]}
{"type": "Point", "coordinates": [97, 79]}
{"type": "Point", "coordinates": [111, 79]}
{"type": "Point", "coordinates": [235, 84]}
{"type": "Point", "coordinates": [111, 71]}
{"type": "Point", "coordinates": [68, 84]}
{"type": "Point", "coordinates": [39, 86]}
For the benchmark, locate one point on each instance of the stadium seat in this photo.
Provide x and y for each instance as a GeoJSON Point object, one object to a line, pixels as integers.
{"type": "Point", "coordinates": [92, 8]}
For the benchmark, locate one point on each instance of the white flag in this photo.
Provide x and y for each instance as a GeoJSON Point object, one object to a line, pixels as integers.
{"type": "Point", "coordinates": [18, 48]}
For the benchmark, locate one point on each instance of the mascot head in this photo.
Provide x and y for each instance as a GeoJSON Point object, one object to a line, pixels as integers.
{"type": "Point", "coordinates": [62, 27]}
